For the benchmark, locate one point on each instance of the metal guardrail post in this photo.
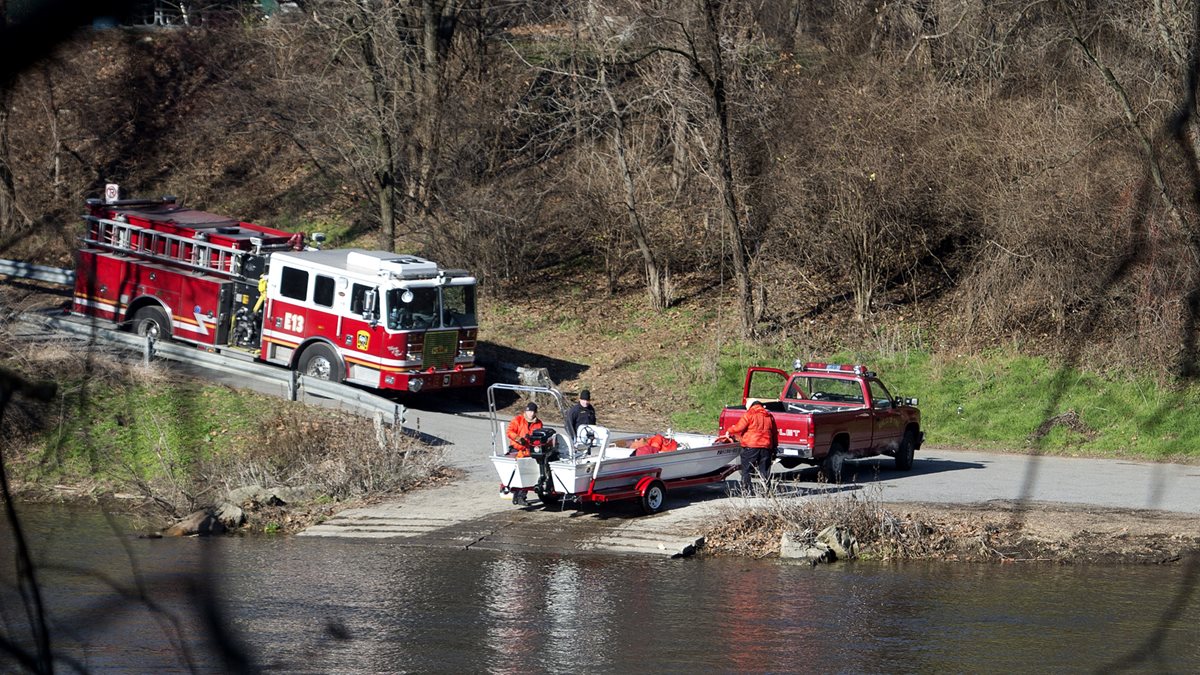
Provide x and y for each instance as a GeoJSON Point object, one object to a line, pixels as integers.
{"type": "Point", "coordinates": [298, 386]}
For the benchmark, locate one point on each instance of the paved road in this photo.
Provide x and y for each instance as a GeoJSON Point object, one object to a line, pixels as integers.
{"type": "Point", "coordinates": [470, 512]}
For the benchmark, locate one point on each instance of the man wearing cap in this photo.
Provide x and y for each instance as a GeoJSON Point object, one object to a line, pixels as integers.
{"type": "Point", "coordinates": [582, 412]}
{"type": "Point", "coordinates": [519, 429]}
{"type": "Point", "coordinates": [759, 437]}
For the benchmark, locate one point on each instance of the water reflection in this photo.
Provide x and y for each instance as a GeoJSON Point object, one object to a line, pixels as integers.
{"type": "Point", "coordinates": [511, 609]}
{"type": "Point", "coordinates": [375, 606]}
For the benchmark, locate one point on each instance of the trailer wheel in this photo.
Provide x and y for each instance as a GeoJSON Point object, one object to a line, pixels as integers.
{"type": "Point", "coordinates": [320, 362]}
{"type": "Point", "coordinates": [904, 454]}
{"type": "Point", "coordinates": [833, 467]}
{"type": "Point", "coordinates": [654, 497]}
{"type": "Point", "coordinates": [152, 321]}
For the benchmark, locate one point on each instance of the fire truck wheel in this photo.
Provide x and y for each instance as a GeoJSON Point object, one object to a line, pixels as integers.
{"type": "Point", "coordinates": [654, 498]}
{"type": "Point", "coordinates": [152, 321]}
{"type": "Point", "coordinates": [320, 362]}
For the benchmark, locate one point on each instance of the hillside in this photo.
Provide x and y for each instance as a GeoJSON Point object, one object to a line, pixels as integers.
{"type": "Point", "coordinates": [659, 195]}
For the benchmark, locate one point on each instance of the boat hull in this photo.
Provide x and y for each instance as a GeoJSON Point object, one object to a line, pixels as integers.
{"type": "Point", "coordinates": [575, 477]}
{"type": "Point", "coordinates": [516, 473]}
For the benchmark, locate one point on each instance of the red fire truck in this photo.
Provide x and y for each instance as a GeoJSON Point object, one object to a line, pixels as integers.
{"type": "Point", "coordinates": [378, 319]}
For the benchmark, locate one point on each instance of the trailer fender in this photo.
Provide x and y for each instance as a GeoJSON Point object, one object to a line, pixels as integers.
{"type": "Point", "coordinates": [643, 484]}
{"type": "Point", "coordinates": [652, 495]}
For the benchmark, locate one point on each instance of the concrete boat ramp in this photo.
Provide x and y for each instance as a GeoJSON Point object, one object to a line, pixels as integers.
{"type": "Point", "coordinates": [471, 515]}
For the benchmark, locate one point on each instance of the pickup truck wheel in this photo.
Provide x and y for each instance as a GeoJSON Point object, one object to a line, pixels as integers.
{"type": "Point", "coordinates": [834, 465]}
{"type": "Point", "coordinates": [904, 454]}
{"type": "Point", "coordinates": [654, 498]}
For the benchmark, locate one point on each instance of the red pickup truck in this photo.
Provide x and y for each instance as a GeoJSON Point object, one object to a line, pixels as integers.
{"type": "Point", "coordinates": [828, 413]}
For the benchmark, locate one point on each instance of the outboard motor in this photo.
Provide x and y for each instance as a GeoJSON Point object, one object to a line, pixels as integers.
{"type": "Point", "coordinates": [543, 447]}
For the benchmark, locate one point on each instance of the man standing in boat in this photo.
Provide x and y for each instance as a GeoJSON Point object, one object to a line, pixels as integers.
{"type": "Point", "coordinates": [582, 412]}
{"type": "Point", "coordinates": [759, 436]}
{"type": "Point", "coordinates": [519, 429]}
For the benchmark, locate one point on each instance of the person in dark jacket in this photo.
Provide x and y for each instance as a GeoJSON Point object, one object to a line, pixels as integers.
{"type": "Point", "coordinates": [759, 437]}
{"type": "Point", "coordinates": [582, 412]}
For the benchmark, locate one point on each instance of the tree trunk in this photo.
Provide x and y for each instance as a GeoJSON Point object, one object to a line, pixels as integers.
{"type": "Point", "coordinates": [8, 190]}
{"type": "Point", "coordinates": [656, 279]}
{"type": "Point", "coordinates": [1131, 121]}
{"type": "Point", "coordinates": [385, 151]}
{"type": "Point", "coordinates": [729, 210]}
{"type": "Point", "coordinates": [679, 141]}
{"type": "Point", "coordinates": [429, 89]}
{"type": "Point", "coordinates": [385, 186]}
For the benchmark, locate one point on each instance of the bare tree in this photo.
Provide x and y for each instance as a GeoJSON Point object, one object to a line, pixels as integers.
{"type": "Point", "coordinates": [8, 191]}
{"type": "Point", "coordinates": [371, 81]}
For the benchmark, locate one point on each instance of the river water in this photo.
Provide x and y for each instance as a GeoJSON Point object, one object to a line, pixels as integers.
{"type": "Point", "coordinates": [119, 603]}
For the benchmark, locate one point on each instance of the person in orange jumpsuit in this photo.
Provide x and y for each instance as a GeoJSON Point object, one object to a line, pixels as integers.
{"type": "Point", "coordinates": [519, 429]}
{"type": "Point", "coordinates": [759, 436]}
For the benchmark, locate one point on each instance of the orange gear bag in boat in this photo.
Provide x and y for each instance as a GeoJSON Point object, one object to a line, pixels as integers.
{"type": "Point", "coordinates": [656, 443]}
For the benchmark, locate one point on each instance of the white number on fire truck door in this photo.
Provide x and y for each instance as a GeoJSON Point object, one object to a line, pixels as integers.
{"type": "Point", "coordinates": [293, 322]}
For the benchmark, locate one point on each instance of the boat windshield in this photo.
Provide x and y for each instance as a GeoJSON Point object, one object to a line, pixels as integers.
{"type": "Point", "coordinates": [422, 308]}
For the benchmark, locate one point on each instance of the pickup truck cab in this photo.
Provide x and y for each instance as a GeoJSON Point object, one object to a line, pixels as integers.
{"type": "Point", "coordinates": [828, 413]}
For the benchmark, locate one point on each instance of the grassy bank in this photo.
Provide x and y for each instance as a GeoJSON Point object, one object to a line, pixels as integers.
{"type": "Point", "coordinates": [997, 399]}
{"type": "Point", "coordinates": [680, 366]}
{"type": "Point", "coordinates": [175, 444]}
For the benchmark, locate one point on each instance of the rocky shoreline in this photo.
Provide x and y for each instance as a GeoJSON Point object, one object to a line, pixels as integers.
{"type": "Point", "coordinates": [816, 531]}
{"type": "Point", "coordinates": [990, 532]}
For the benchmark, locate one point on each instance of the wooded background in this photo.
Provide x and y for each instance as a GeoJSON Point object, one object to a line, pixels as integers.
{"type": "Point", "coordinates": [999, 170]}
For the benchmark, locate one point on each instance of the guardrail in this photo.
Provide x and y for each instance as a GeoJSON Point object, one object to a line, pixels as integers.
{"type": "Point", "coordinates": [51, 275]}
{"type": "Point", "coordinates": [281, 382]}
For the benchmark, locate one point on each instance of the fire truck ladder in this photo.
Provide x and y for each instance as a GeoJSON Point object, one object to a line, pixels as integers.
{"type": "Point", "coordinates": [188, 252]}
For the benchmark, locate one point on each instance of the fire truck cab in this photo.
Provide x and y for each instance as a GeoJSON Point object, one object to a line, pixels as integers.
{"type": "Point", "coordinates": [379, 319]}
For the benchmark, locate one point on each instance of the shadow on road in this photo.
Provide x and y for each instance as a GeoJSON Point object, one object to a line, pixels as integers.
{"type": "Point", "coordinates": [500, 362]}
{"type": "Point", "coordinates": [879, 468]}
{"type": "Point", "coordinates": [499, 358]}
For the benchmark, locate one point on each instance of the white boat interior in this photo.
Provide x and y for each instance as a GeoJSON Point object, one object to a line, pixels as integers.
{"type": "Point", "coordinates": [597, 458]}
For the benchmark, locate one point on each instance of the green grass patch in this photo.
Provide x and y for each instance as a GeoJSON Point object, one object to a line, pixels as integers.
{"type": "Point", "coordinates": [994, 399]}
{"type": "Point", "coordinates": [338, 232]}
{"type": "Point", "coordinates": [148, 430]}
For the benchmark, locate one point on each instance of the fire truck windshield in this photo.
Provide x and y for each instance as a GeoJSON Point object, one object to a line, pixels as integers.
{"type": "Point", "coordinates": [420, 309]}
{"type": "Point", "coordinates": [458, 304]}
{"type": "Point", "coordinates": [412, 308]}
